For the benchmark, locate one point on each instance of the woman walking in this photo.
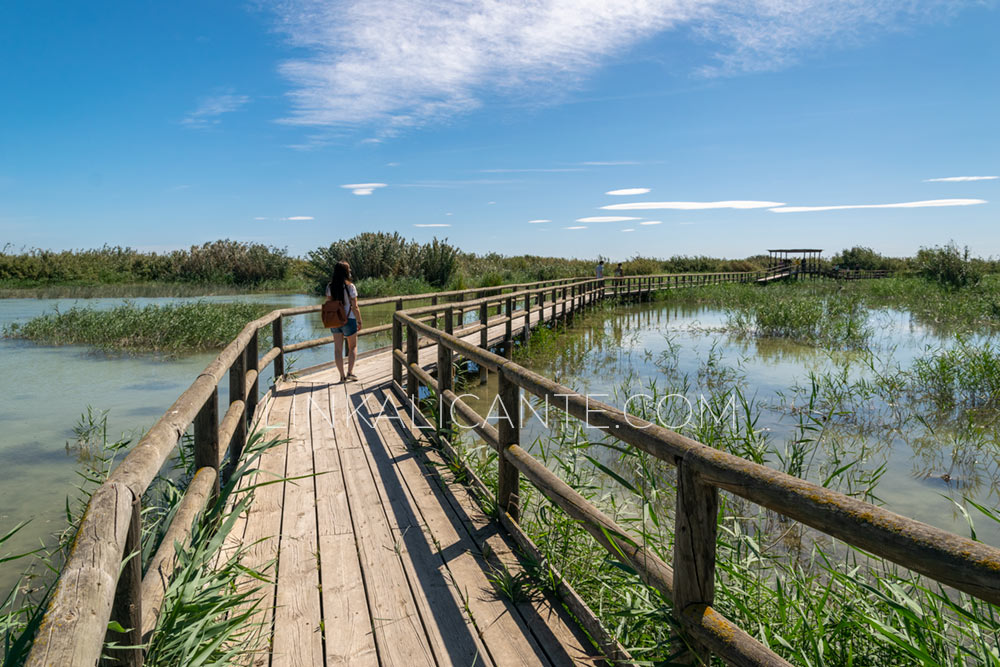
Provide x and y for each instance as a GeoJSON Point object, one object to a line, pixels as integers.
{"type": "Point", "coordinates": [340, 286]}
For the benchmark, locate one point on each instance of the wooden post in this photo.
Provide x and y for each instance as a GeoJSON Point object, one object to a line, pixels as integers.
{"type": "Point", "coordinates": [397, 344]}
{"type": "Point", "coordinates": [412, 357]}
{"type": "Point", "coordinates": [694, 549]}
{"type": "Point", "coordinates": [460, 311]}
{"type": "Point", "coordinates": [526, 333]}
{"type": "Point", "coordinates": [278, 340]}
{"type": "Point", "coordinates": [127, 607]}
{"type": "Point", "coordinates": [206, 436]}
{"type": "Point", "coordinates": [237, 390]}
{"type": "Point", "coordinates": [253, 359]}
{"type": "Point", "coordinates": [434, 302]}
{"type": "Point", "coordinates": [508, 334]}
{"type": "Point", "coordinates": [555, 301]}
{"type": "Point", "coordinates": [444, 382]}
{"type": "Point", "coordinates": [541, 307]}
{"type": "Point", "coordinates": [484, 336]}
{"type": "Point", "coordinates": [509, 433]}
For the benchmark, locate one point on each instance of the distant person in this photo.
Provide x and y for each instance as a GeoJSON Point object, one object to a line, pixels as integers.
{"type": "Point", "coordinates": [600, 269]}
{"type": "Point", "coordinates": [341, 286]}
{"type": "Point", "coordinates": [619, 271]}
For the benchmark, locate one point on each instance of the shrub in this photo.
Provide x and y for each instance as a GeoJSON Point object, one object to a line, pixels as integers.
{"type": "Point", "coordinates": [947, 265]}
{"type": "Point", "coordinates": [438, 261]}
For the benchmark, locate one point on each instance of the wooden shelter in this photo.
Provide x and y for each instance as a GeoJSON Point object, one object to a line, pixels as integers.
{"type": "Point", "coordinates": [803, 260]}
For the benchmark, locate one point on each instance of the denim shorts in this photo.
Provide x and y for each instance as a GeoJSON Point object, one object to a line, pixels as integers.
{"type": "Point", "coordinates": [348, 329]}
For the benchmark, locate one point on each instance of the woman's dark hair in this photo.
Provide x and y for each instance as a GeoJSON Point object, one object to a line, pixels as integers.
{"type": "Point", "coordinates": [340, 279]}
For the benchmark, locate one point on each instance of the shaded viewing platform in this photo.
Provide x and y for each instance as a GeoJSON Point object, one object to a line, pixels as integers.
{"type": "Point", "coordinates": [383, 548]}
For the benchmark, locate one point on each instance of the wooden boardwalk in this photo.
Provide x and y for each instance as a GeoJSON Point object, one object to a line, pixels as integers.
{"type": "Point", "coordinates": [381, 559]}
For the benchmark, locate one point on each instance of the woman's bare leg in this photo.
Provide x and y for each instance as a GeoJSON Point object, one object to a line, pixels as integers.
{"type": "Point", "coordinates": [338, 353]}
{"type": "Point", "coordinates": [352, 353]}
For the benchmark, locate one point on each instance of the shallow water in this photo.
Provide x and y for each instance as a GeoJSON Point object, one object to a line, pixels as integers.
{"type": "Point", "coordinates": [925, 473]}
{"type": "Point", "coordinates": [48, 388]}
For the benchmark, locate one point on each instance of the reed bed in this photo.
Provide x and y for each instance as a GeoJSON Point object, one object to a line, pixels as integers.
{"type": "Point", "coordinates": [205, 619]}
{"type": "Point", "coordinates": [812, 599]}
{"type": "Point", "coordinates": [165, 329]}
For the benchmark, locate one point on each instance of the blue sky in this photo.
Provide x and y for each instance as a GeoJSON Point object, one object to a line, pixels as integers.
{"type": "Point", "coordinates": [160, 125]}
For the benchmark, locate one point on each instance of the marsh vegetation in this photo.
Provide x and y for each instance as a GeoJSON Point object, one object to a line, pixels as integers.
{"type": "Point", "coordinates": [165, 329]}
{"type": "Point", "coordinates": [868, 388]}
{"type": "Point", "coordinates": [203, 591]}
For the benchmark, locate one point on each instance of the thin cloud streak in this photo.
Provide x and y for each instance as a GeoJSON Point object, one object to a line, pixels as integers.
{"type": "Point", "coordinates": [363, 188]}
{"type": "Point", "coordinates": [930, 203]}
{"type": "Point", "coordinates": [628, 191]}
{"type": "Point", "coordinates": [576, 227]}
{"type": "Point", "coordinates": [960, 179]}
{"type": "Point", "coordinates": [652, 222]}
{"type": "Point", "coordinates": [554, 170]}
{"type": "Point", "coordinates": [537, 222]}
{"type": "Point", "coordinates": [606, 218]}
{"type": "Point", "coordinates": [690, 205]}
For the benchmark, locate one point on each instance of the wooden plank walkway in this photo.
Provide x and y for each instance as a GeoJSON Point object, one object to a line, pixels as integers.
{"type": "Point", "coordinates": [379, 558]}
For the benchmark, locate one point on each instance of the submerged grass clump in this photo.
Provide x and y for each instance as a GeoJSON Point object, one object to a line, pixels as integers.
{"type": "Point", "coordinates": [170, 329]}
{"type": "Point", "coordinates": [964, 376]}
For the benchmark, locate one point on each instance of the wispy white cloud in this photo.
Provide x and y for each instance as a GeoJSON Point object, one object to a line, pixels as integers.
{"type": "Point", "coordinates": [363, 188]}
{"type": "Point", "coordinates": [490, 203]}
{"type": "Point", "coordinates": [449, 184]}
{"type": "Point", "coordinates": [299, 218]}
{"type": "Point", "coordinates": [210, 109]}
{"type": "Point", "coordinates": [530, 170]}
{"type": "Point", "coordinates": [628, 191]}
{"type": "Point", "coordinates": [260, 218]}
{"type": "Point", "coordinates": [960, 179]}
{"type": "Point", "coordinates": [689, 205]}
{"type": "Point", "coordinates": [614, 163]}
{"type": "Point", "coordinates": [576, 227]}
{"type": "Point", "coordinates": [606, 218]}
{"type": "Point", "coordinates": [652, 222]}
{"type": "Point", "coordinates": [394, 64]}
{"type": "Point", "coordinates": [537, 222]}
{"type": "Point", "coordinates": [630, 229]}
{"type": "Point", "coordinates": [930, 203]}
{"type": "Point", "coordinates": [432, 224]}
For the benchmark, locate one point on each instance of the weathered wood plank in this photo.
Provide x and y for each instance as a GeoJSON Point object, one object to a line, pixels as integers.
{"type": "Point", "coordinates": [551, 626]}
{"type": "Point", "coordinates": [399, 633]}
{"type": "Point", "coordinates": [264, 521]}
{"type": "Point", "coordinates": [347, 622]}
{"type": "Point", "coordinates": [298, 636]}
{"type": "Point", "coordinates": [453, 638]}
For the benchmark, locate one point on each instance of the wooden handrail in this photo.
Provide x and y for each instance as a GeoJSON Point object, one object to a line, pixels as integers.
{"type": "Point", "coordinates": [964, 564]}
{"type": "Point", "coordinates": [72, 631]}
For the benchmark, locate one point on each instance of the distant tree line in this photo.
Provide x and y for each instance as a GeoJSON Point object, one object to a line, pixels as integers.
{"type": "Point", "coordinates": [221, 262]}
{"type": "Point", "coordinates": [388, 263]}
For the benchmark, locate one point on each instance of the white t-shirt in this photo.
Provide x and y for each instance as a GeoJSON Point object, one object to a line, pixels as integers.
{"type": "Point", "coordinates": [350, 292]}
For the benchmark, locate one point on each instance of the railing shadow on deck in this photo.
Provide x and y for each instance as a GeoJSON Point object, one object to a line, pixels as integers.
{"type": "Point", "coordinates": [95, 589]}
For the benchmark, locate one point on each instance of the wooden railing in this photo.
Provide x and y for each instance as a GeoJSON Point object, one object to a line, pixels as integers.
{"type": "Point", "coordinates": [689, 581]}
{"type": "Point", "coordinates": [103, 580]}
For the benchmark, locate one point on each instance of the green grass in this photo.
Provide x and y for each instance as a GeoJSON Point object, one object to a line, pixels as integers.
{"type": "Point", "coordinates": [168, 329]}
{"type": "Point", "coordinates": [758, 309]}
{"type": "Point", "coordinates": [204, 619]}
